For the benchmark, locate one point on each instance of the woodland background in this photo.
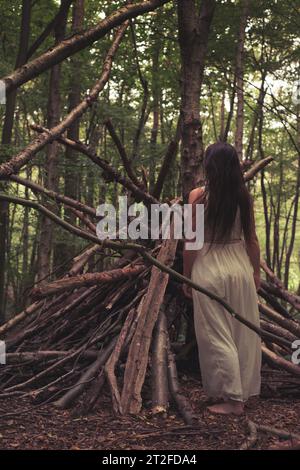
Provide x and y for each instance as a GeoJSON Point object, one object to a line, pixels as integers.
{"type": "Point", "coordinates": [109, 98]}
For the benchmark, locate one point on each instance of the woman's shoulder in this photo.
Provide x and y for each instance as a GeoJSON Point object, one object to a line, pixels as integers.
{"type": "Point", "coordinates": [195, 194]}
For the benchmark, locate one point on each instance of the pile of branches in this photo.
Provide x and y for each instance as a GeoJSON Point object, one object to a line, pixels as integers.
{"type": "Point", "coordinates": [121, 328]}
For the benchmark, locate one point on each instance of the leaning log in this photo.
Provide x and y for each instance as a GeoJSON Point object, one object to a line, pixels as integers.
{"type": "Point", "coordinates": [279, 362]}
{"type": "Point", "coordinates": [159, 369]}
{"type": "Point", "coordinates": [137, 360]}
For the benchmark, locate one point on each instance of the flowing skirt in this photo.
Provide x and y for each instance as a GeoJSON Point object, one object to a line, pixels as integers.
{"type": "Point", "coordinates": [229, 352]}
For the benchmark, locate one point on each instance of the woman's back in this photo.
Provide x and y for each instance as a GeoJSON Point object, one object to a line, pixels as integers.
{"type": "Point", "coordinates": [235, 234]}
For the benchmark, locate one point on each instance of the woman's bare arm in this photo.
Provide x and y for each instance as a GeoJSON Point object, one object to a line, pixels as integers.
{"type": "Point", "coordinates": [190, 255]}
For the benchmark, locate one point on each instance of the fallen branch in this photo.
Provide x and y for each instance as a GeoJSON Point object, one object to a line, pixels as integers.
{"type": "Point", "coordinates": [257, 167]}
{"type": "Point", "coordinates": [114, 175]}
{"type": "Point", "coordinates": [182, 403]}
{"type": "Point", "coordinates": [291, 325]}
{"type": "Point", "coordinates": [20, 317]}
{"type": "Point", "coordinates": [252, 439]}
{"type": "Point", "coordinates": [66, 400]}
{"type": "Point", "coordinates": [279, 362]}
{"type": "Point", "coordinates": [113, 359]}
{"type": "Point", "coordinates": [36, 356]}
{"type": "Point", "coordinates": [169, 157]}
{"type": "Point", "coordinates": [137, 359]}
{"type": "Point", "coordinates": [37, 188]}
{"type": "Point", "coordinates": [159, 372]}
{"type": "Point", "coordinates": [123, 154]}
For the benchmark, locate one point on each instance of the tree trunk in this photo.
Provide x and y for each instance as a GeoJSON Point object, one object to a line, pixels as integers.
{"type": "Point", "coordinates": [51, 177]}
{"type": "Point", "coordinates": [193, 31]}
{"type": "Point", "coordinates": [6, 141]}
{"type": "Point", "coordinates": [71, 160]}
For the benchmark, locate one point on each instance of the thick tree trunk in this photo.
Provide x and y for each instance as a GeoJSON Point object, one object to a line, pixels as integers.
{"type": "Point", "coordinates": [51, 177]}
{"type": "Point", "coordinates": [65, 250]}
{"type": "Point", "coordinates": [193, 29]}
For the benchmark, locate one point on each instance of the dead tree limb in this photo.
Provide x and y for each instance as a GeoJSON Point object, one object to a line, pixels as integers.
{"type": "Point", "coordinates": [181, 401]}
{"type": "Point", "coordinates": [279, 362]}
{"type": "Point", "coordinates": [85, 280]}
{"type": "Point", "coordinates": [113, 359]}
{"type": "Point", "coordinates": [37, 188]}
{"type": "Point", "coordinates": [159, 371]}
{"type": "Point", "coordinates": [257, 167]}
{"type": "Point", "coordinates": [277, 287]}
{"type": "Point", "coordinates": [36, 356]}
{"type": "Point", "coordinates": [80, 261]}
{"type": "Point", "coordinates": [20, 317]}
{"type": "Point", "coordinates": [84, 219]}
{"type": "Point", "coordinates": [137, 360]}
{"type": "Point", "coordinates": [67, 399]}
{"type": "Point", "coordinates": [61, 13]}
{"type": "Point", "coordinates": [291, 325]}
{"type": "Point", "coordinates": [277, 330]}
{"type": "Point", "coordinates": [252, 438]}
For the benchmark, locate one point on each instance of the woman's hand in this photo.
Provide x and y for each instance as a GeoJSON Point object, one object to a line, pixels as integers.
{"type": "Point", "coordinates": [187, 290]}
{"type": "Point", "coordinates": [256, 277]}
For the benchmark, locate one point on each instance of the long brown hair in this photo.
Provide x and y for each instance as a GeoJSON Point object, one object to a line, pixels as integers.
{"type": "Point", "coordinates": [224, 191]}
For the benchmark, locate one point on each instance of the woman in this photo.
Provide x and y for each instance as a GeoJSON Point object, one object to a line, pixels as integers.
{"type": "Point", "coordinates": [228, 265]}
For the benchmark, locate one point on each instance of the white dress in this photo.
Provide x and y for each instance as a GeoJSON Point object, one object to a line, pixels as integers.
{"type": "Point", "coordinates": [229, 352]}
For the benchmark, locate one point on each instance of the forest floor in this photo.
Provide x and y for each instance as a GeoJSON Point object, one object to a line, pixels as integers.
{"type": "Point", "coordinates": [24, 426]}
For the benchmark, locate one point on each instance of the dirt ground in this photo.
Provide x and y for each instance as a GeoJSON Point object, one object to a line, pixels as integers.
{"type": "Point", "coordinates": [24, 426]}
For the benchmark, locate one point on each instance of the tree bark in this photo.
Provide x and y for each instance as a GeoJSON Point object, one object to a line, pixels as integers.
{"type": "Point", "coordinates": [193, 31]}
{"type": "Point", "coordinates": [51, 178]}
